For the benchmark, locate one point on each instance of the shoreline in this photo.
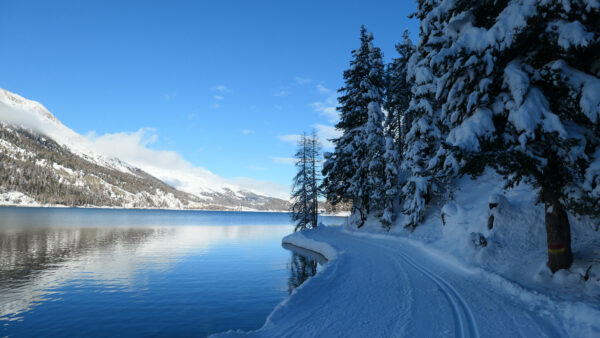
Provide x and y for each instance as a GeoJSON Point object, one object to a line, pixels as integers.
{"type": "Point", "coordinates": [368, 268]}
{"type": "Point", "coordinates": [62, 206]}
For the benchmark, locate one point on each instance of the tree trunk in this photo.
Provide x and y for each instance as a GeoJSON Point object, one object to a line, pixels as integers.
{"type": "Point", "coordinates": [558, 232]}
{"type": "Point", "coordinates": [362, 216]}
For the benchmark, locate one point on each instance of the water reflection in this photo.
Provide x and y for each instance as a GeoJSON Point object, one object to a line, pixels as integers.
{"type": "Point", "coordinates": [107, 272]}
{"type": "Point", "coordinates": [303, 265]}
{"type": "Point", "coordinates": [35, 262]}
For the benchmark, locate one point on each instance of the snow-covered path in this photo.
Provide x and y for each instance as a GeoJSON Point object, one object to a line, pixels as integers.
{"type": "Point", "coordinates": [385, 286]}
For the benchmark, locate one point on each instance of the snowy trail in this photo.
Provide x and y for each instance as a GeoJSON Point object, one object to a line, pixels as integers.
{"type": "Point", "coordinates": [384, 286]}
{"type": "Point", "coordinates": [456, 300]}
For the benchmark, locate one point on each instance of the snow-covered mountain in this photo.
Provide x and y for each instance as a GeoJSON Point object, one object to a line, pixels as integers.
{"type": "Point", "coordinates": [45, 162]}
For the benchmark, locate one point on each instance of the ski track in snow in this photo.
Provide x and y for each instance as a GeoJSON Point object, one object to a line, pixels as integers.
{"type": "Point", "coordinates": [385, 286]}
{"type": "Point", "coordinates": [463, 317]}
{"type": "Point", "coordinates": [465, 323]}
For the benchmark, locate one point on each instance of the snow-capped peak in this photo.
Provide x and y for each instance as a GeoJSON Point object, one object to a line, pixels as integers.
{"type": "Point", "coordinates": [20, 112]}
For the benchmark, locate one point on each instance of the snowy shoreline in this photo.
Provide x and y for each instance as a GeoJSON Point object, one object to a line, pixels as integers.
{"type": "Point", "coordinates": [126, 208]}
{"type": "Point", "coordinates": [464, 299]}
{"type": "Point", "coordinates": [299, 240]}
{"type": "Point", "coordinates": [20, 200]}
{"type": "Point", "coordinates": [2, 205]}
{"type": "Point", "coordinates": [453, 245]}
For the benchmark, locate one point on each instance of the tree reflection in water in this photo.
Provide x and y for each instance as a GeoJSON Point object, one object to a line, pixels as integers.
{"type": "Point", "coordinates": [301, 269]}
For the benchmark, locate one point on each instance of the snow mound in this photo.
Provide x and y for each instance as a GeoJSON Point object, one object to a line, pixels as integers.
{"type": "Point", "coordinates": [503, 231]}
{"type": "Point", "coordinates": [298, 239]}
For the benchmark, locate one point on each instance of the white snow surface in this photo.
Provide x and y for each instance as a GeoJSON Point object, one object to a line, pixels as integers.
{"type": "Point", "coordinates": [17, 198]}
{"type": "Point", "coordinates": [435, 282]}
{"type": "Point", "coordinates": [298, 239]}
{"type": "Point", "coordinates": [466, 136]}
{"type": "Point", "coordinates": [387, 286]}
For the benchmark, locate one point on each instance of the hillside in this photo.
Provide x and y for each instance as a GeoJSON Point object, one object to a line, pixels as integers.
{"type": "Point", "coordinates": [46, 163]}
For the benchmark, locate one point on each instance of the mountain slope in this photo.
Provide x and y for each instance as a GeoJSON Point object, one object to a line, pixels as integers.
{"type": "Point", "coordinates": [45, 162]}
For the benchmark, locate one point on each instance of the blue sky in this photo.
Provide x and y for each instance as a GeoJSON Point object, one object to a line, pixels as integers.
{"type": "Point", "coordinates": [221, 83]}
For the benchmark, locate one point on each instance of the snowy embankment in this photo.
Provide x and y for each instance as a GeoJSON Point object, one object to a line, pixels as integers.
{"type": "Point", "coordinates": [380, 285]}
{"type": "Point", "coordinates": [441, 280]}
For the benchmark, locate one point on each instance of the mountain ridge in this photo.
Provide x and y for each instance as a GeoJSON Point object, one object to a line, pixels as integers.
{"type": "Point", "coordinates": [46, 163]}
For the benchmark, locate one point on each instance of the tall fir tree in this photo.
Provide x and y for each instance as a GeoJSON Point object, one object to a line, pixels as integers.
{"type": "Point", "coordinates": [301, 186]}
{"type": "Point", "coordinates": [513, 86]}
{"type": "Point", "coordinates": [398, 91]}
{"type": "Point", "coordinates": [305, 188]}
{"type": "Point", "coordinates": [390, 186]}
{"type": "Point", "coordinates": [374, 162]}
{"type": "Point", "coordinates": [423, 138]}
{"type": "Point", "coordinates": [347, 170]}
{"type": "Point", "coordinates": [314, 177]}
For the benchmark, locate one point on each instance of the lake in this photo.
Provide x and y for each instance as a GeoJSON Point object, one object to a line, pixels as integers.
{"type": "Point", "coordinates": [110, 272]}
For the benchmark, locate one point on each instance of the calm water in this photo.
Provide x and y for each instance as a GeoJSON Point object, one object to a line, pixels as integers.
{"type": "Point", "coordinates": [100, 272]}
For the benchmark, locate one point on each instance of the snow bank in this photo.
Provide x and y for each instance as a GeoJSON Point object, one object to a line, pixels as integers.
{"type": "Point", "coordinates": [382, 284]}
{"type": "Point", "coordinates": [298, 239]}
{"type": "Point", "coordinates": [515, 246]}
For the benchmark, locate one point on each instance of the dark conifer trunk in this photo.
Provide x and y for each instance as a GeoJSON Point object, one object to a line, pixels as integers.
{"type": "Point", "coordinates": [558, 232]}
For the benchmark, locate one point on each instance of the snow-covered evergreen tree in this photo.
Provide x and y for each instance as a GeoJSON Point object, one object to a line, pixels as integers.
{"type": "Point", "coordinates": [398, 91]}
{"type": "Point", "coordinates": [348, 169]}
{"type": "Point", "coordinates": [390, 187]}
{"type": "Point", "coordinates": [314, 158]}
{"type": "Point", "coordinates": [305, 188]}
{"type": "Point", "coordinates": [374, 161]}
{"type": "Point", "coordinates": [422, 142]}
{"type": "Point", "coordinates": [300, 187]}
{"type": "Point", "coordinates": [515, 86]}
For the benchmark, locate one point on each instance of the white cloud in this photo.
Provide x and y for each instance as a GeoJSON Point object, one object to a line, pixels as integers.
{"type": "Point", "coordinates": [322, 89]}
{"type": "Point", "coordinates": [302, 80]}
{"type": "Point", "coordinates": [248, 131]}
{"type": "Point", "coordinates": [329, 112]}
{"type": "Point", "coordinates": [219, 97]}
{"type": "Point", "coordinates": [284, 160]}
{"type": "Point", "coordinates": [326, 107]}
{"type": "Point", "coordinates": [169, 166]}
{"type": "Point", "coordinates": [291, 138]}
{"type": "Point", "coordinates": [283, 91]}
{"type": "Point", "coordinates": [222, 89]}
{"type": "Point", "coordinates": [263, 187]}
{"type": "Point", "coordinates": [326, 133]}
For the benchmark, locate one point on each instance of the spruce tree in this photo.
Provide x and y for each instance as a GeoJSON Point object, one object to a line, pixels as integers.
{"type": "Point", "coordinates": [314, 177]}
{"type": "Point", "coordinates": [375, 165]}
{"type": "Point", "coordinates": [301, 186]}
{"type": "Point", "coordinates": [347, 169]}
{"type": "Point", "coordinates": [398, 94]}
{"type": "Point", "coordinates": [390, 187]}
{"type": "Point", "coordinates": [422, 142]}
{"type": "Point", "coordinates": [513, 86]}
{"type": "Point", "coordinates": [305, 188]}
